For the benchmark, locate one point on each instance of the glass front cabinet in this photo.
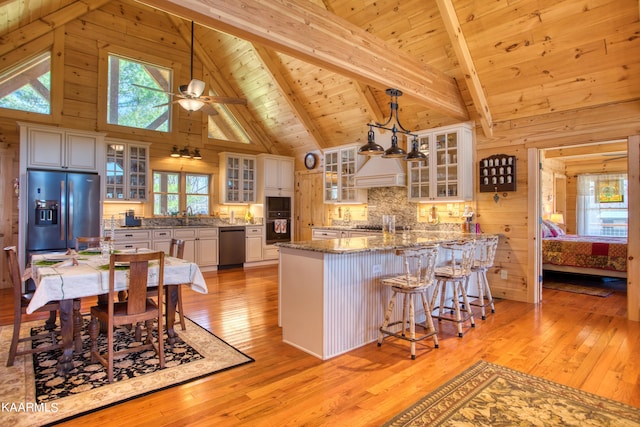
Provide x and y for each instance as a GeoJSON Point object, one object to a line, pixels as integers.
{"type": "Point", "coordinates": [447, 174]}
{"type": "Point", "coordinates": [340, 167]}
{"type": "Point", "coordinates": [126, 171]}
{"type": "Point", "coordinates": [237, 178]}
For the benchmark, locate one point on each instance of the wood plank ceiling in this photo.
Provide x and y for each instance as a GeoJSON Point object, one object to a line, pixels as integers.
{"type": "Point", "coordinates": [314, 72]}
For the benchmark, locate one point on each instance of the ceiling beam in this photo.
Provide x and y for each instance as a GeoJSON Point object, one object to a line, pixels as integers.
{"type": "Point", "coordinates": [222, 87]}
{"type": "Point", "coordinates": [273, 66]}
{"type": "Point", "coordinates": [45, 24]}
{"type": "Point", "coordinates": [306, 31]}
{"type": "Point", "coordinates": [452, 24]}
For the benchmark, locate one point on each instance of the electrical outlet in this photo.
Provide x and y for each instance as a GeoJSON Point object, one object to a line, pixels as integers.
{"type": "Point", "coordinates": [377, 269]}
{"type": "Point", "coordinates": [503, 274]}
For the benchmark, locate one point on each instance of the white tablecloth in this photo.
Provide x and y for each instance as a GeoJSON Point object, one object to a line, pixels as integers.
{"type": "Point", "coordinates": [90, 277]}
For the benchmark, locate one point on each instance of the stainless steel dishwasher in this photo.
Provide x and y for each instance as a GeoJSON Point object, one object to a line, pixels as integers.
{"type": "Point", "coordinates": [231, 247]}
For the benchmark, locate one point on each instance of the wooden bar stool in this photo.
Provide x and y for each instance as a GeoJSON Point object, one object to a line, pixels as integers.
{"type": "Point", "coordinates": [485, 254]}
{"type": "Point", "coordinates": [418, 277]}
{"type": "Point", "coordinates": [455, 271]}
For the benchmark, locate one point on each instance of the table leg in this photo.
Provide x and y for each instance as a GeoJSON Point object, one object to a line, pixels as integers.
{"type": "Point", "coordinates": [65, 363]}
{"type": "Point", "coordinates": [171, 304]}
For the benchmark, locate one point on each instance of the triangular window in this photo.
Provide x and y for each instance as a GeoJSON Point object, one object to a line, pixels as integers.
{"type": "Point", "coordinates": [224, 126]}
{"type": "Point", "coordinates": [27, 87]}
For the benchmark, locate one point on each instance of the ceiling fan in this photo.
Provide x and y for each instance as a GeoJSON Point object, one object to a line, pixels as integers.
{"type": "Point", "coordinates": [191, 98]}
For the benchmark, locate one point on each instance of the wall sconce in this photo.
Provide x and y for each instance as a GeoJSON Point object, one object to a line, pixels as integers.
{"type": "Point", "coordinates": [175, 152]}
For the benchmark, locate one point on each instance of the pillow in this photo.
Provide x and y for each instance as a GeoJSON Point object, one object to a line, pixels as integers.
{"type": "Point", "coordinates": [546, 232]}
{"type": "Point", "coordinates": [554, 229]}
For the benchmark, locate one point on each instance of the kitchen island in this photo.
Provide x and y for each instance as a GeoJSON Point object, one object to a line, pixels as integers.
{"type": "Point", "coordinates": [331, 299]}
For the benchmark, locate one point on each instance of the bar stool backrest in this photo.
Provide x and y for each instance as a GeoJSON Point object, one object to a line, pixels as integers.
{"type": "Point", "coordinates": [419, 264]}
{"type": "Point", "coordinates": [485, 251]}
{"type": "Point", "coordinates": [459, 256]}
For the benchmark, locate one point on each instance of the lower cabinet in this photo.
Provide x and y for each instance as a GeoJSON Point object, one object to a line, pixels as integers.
{"type": "Point", "coordinates": [131, 239]}
{"type": "Point", "coordinates": [253, 244]}
{"type": "Point", "coordinates": [200, 245]}
{"type": "Point", "coordinates": [162, 240]}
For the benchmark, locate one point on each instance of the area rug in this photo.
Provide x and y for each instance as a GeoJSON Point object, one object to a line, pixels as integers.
{"type": "Point", "coordinates": [33, 395]}
{"type": "Point", "coordinates": [492, 395]}
{"type": "Point", "coordinates": [577, 289]}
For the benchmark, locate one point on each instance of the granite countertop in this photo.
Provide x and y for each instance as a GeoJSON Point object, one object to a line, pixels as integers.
{"type": "Point", "coordinates": [377, 243]}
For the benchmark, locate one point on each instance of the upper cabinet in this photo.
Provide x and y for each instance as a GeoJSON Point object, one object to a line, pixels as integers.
{"type": "Point", "coordinates": [340, 167]}
{"type": "Point", "coordinates": [276, 175]}
{"type": "Point", "coordinates": [48, 147]}
{"type": "Point", "coordinates": [237, 178]}
{"type": "Point", "coordinates": [126, 171]}
{"type": "Point", "coordinates": [447, 174]}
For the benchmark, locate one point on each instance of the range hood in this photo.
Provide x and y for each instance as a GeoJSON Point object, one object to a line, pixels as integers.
{"type": "Point", "coordinates": [380, 172]}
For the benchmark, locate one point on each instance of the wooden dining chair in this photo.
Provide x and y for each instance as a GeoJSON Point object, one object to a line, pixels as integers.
{"type": "Point", "coordinates": [21, 301]}
{"type": "Point", "coordinates": [137, 308]}
{"type": "Point", "coordinates": [176, 250]}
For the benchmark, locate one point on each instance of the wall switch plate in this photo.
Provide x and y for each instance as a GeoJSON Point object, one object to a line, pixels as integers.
{"type": "Point", "coordinates": [503, 274]}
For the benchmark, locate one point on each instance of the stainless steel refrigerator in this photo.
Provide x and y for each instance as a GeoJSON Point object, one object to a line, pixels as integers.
{"type": "Point", "coordinates": [61, 206]}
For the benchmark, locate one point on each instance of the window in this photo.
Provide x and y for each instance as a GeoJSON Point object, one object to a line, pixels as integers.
{"type": "Point", "coordinates": [138, 94]}
{"type": "Point", "coordinates": [175, 192]}
{"type": "Point", "coordinates": [27, 87]}
{"type": "Point", "coordinates": [602, 205]}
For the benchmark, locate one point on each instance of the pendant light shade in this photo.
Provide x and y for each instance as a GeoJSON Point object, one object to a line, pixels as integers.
{"type": "Point", "coordinates": [415, 154]}
{"type": "Point", "coordinates": [371, 148]}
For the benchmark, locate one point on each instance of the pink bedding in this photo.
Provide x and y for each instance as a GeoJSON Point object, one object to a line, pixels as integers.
{"type": "Point", "coordinates": [606, 253]}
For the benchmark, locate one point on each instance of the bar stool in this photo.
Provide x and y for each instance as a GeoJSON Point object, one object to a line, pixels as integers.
{"type": "Point", "coordinates": [455, 271]}
{"type": "Point", "coordinates": [485, 254]}
{"type": "Point", "coordinates": [419, 266]}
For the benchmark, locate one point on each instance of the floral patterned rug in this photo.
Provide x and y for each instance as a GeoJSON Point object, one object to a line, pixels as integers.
{"type": "Point", "coordinates": [33, 395]}
{"type": "Point", "coordinates": [491, 395]}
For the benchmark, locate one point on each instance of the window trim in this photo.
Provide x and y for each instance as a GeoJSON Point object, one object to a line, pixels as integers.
{"type": "Point", "coordinates": [182, 190]}
{"type": "Point", "coordinates": [103, 91]}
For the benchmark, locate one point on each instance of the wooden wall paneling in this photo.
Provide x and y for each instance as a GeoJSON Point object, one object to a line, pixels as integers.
{"type": "Point", "coordinates": [633, 246]}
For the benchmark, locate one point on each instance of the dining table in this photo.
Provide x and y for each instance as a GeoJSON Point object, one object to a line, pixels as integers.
{"type": "Point", "coordinates": [66, 276]}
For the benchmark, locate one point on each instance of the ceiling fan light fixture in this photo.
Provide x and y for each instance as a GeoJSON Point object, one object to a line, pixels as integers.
{"type": "Point", "coordinates": [191, 104]}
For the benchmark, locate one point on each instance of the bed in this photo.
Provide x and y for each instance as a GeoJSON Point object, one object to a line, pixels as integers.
{"type": "Point", "coordinates": [593, 255]}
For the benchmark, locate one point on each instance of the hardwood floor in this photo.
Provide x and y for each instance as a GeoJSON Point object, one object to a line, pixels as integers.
{"type": "Point", "coordinates": [577, 340]}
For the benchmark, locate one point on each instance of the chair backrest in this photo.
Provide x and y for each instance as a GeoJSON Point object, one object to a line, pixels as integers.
{"type": "Point", "coordinates": [485, 251]}
{"type": "Point", "coordinates": [139, 264]}
{"type": "Point", "coordinates": [14, 273]}
{"type": "Point", "coordinates": [420, 264]}
{"type": "Point", "coordinates": [459, 256]}
{"type": "Point", "coordinates": [176, 248]}
{"type": "Point", "coordinates": [87, 242]}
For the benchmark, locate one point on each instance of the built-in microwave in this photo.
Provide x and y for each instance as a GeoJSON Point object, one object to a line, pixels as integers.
{"type": "Point", "coordinates": [278, 207]}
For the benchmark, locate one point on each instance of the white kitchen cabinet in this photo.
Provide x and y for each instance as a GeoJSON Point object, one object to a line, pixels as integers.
{"type": "Point", "coordinates": [253, 244]}
{"type": "Point", "coordinates": [200, 245]}
{"type": "Point", "coordinates": [126, 171]}
{"type": "Point", "coordinates": [47, 147]}
{"type": "Point", "coordinates": [340, 167]}
{"type": "Point", "coordinates": [161, 240]}
{"type": "Point", "coordinates": [447, 175]}
{"type": "Point", "coordinates": [237, 178]}
{"type": "Point", "coordinates": [132, 239]}
{"type": "Point", "coordinates": [275, 175]}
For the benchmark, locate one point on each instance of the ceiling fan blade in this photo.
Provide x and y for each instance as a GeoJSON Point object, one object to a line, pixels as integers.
{"type": "Point", "coordinates": [209, 110]}
{"type": "Point", "coordinates": [224, 100]}
{"type": "Point", "coordinates": [153, 89]}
